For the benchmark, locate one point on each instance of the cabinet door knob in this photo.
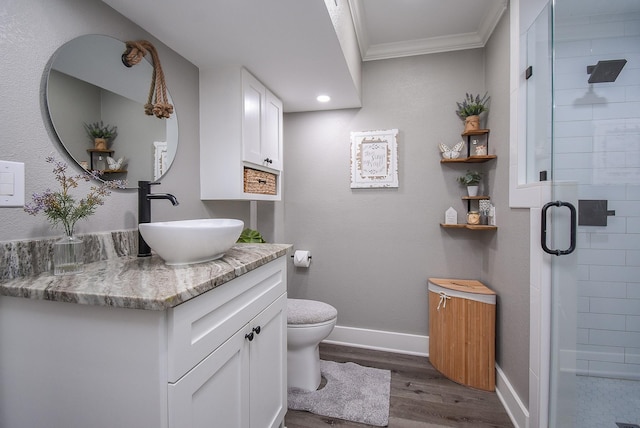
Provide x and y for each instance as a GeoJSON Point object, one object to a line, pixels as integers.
{"type": "Point", "coordinates": [267, 160]}
{"type": "Point", "coordinates": [249, 336]}
{"type": "Point", "coordinates": [257, 329]}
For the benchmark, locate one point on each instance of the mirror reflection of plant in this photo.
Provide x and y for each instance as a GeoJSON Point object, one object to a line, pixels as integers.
{"type": "Point", "coordinates": [61, 207]}
{"type": "Point", "coordinates": [470, 178]}
{"type": "Point", "coordinates": [100, 130]}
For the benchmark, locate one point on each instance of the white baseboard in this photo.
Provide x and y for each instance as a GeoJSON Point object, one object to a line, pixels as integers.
{"type": "Point", "coordinates": [512, 404]}
{"type": "Point", "coordinates": [413, 344]}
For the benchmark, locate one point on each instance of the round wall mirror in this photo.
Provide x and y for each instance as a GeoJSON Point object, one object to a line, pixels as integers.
{"type": "Point", "coordinates": [87, 83]}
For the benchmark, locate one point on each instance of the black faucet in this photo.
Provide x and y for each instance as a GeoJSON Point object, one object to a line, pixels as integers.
{"type": "Point", "coordinates": [144, 211]}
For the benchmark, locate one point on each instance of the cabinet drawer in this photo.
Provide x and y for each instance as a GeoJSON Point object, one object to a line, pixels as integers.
{"type": "Point", "coordinates": [260, 182]}
{"type": "Point", "coordinates": [199, 326]}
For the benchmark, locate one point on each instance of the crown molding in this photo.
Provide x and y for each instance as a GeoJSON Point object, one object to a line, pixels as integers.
{"type": "Point", "coordinates": [430, 45]}
{"type": "Point", "coordinates": [423, 46]}
{"type": "Point", "coordinates": [360, 26]}
{"type": "Point", "coordinates": [491, 20]}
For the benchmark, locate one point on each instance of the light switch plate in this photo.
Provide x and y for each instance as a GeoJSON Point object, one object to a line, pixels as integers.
{"type": "Point", "coordinates": [12, 186]}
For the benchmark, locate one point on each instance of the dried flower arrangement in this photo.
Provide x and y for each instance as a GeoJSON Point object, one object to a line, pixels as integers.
{"type": "Point", "coordinates": [61, 207]}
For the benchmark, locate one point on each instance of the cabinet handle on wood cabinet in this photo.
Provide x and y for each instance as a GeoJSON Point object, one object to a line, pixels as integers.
{"type": "Point", "coordinates": [249, 336]}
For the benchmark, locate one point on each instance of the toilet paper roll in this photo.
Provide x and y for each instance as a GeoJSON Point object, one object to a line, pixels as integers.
{"type": "Point", "coordinates": [302, 258]}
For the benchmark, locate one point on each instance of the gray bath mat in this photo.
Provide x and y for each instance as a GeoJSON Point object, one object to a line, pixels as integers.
{"type": "Point", "coordinates": [353, 393]}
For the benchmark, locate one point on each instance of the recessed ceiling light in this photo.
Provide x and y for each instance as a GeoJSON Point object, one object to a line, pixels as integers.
{"type": "Point", "coordinates": [323, 98]}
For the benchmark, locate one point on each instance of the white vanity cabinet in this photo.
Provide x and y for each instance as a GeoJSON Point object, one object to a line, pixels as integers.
{"type": "Point", "coordinates": [240, 129]}
{"type": "Point", "coordinates": [242, 383]}
{"type": "Point", "coordinates": [73, 365]}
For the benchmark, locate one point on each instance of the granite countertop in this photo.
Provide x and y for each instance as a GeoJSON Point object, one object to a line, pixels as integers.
{"type": "Point", "coordinates": [143, 283]}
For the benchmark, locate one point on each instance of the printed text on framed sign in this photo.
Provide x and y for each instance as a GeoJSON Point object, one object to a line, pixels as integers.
{"type": "Point", "coordinates": [374, 159]}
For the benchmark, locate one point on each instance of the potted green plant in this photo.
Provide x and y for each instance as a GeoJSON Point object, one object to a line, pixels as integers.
{"type": "Point", "coordinates": [470, 108]}
{"type": "Point", "coordinates": [101, 134]}
{"type": "Point", "coordinates": [250, 236]}
{"type": "Point", "coordinates": [471, 179]}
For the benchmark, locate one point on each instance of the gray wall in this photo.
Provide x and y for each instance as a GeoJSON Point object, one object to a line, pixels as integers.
{"type": "Point", "coordinates": [373, 249]}
{"type": "Point", "coordinates": [31, 31]}
{"type": "Point", "coordinates": [506, 253]}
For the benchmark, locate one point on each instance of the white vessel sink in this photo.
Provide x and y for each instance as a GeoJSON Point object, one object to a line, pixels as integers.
{"type": "Point", "coordinates": [185, 242]}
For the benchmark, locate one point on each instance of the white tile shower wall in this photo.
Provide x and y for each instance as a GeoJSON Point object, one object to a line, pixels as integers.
{"type": "Point", "coordinates": [597, 142]}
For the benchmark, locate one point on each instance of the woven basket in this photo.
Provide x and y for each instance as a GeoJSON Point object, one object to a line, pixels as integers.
{"type": "Point", "coordinates": [260, 182]}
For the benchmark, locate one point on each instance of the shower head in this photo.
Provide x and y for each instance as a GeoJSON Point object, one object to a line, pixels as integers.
{"type": "Point", "coordinates": [605, 71]}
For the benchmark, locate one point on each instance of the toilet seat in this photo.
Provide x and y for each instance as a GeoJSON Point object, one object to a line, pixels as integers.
{"type": "Point", "coordinates": [309, 313]}
{"type": "Point", "coordinates": [318, 324]}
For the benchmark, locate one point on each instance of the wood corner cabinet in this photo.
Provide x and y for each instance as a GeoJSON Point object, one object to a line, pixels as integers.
{"type": "Point", "coordinates": [462, 322]}
{"type": "Point", "coordinates": [240, 130]}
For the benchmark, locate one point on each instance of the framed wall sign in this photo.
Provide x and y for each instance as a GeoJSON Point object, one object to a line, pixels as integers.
{"type": "Point", "coordinates": [374, 159]}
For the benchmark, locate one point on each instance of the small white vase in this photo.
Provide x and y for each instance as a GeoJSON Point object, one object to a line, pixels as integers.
{"type": "Point", "coordinates": [472, 190]}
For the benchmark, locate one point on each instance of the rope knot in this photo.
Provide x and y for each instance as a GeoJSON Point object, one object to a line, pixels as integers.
{"type": "Point", "coordinates": [161, 110]}
{"type": "Point", "coordinates": [443, 300]}
{"type": "Point", "coordinates": [134, 53]}
{"type": "Point", "coordinates": [157, 102]}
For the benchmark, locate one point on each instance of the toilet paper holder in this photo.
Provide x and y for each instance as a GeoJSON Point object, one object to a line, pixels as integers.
{"type": "Point", "coordinates": [302, 258]}
{"type": "Point", "coordinates": [308, 257]}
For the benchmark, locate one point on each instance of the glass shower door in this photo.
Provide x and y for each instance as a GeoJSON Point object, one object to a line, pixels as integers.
{"type": "Point", "coordinates": [595, 164]}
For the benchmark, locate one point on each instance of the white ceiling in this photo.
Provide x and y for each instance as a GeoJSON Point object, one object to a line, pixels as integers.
{"type": "Point", "coordinates": [291, 45]}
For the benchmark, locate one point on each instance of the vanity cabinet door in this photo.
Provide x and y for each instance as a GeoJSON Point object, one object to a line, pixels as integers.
{"type": "Point", "coordinates": [268, 356]}
{"type": "Point", "coordinates": [216, 391]}
{"type": "Point", "coordinates": [241, 384]}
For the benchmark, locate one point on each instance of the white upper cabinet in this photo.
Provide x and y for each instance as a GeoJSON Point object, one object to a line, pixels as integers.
{"type": "Point", "coordinates": [273, 131]}
{"type": "Point", "coordinates": [262, 124]}
{"type": "Point", "coordinates": [240, 136]}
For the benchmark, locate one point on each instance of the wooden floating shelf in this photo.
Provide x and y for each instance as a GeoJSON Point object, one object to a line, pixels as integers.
{"type": "Point", "coordinates": [470, 159]}
{"type": "Point", "coordinates": [476, 132]}
{"type": "Point", "coordinates": [113, 171]}
{"type": "Point", "coordinates": [468, 226]}
{"type": "Point", "coordinates": [475, 198]}
{"type": "Point", "coordinates": [100, 151]}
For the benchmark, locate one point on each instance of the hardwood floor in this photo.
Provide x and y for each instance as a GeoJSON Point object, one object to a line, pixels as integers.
{"type": "Point", "coordinates": [421, 397]}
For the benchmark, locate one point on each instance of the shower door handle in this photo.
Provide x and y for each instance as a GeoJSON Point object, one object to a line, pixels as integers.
{"type": "Point", "coordinates": [543, 228]}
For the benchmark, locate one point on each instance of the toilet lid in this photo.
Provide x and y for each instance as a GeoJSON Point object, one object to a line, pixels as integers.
{"type": "Point", "coordinates": [300, 311]}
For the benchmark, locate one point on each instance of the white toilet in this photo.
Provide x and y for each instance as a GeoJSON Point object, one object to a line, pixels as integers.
{"type": "Point", "coordinates": [308, 323]}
